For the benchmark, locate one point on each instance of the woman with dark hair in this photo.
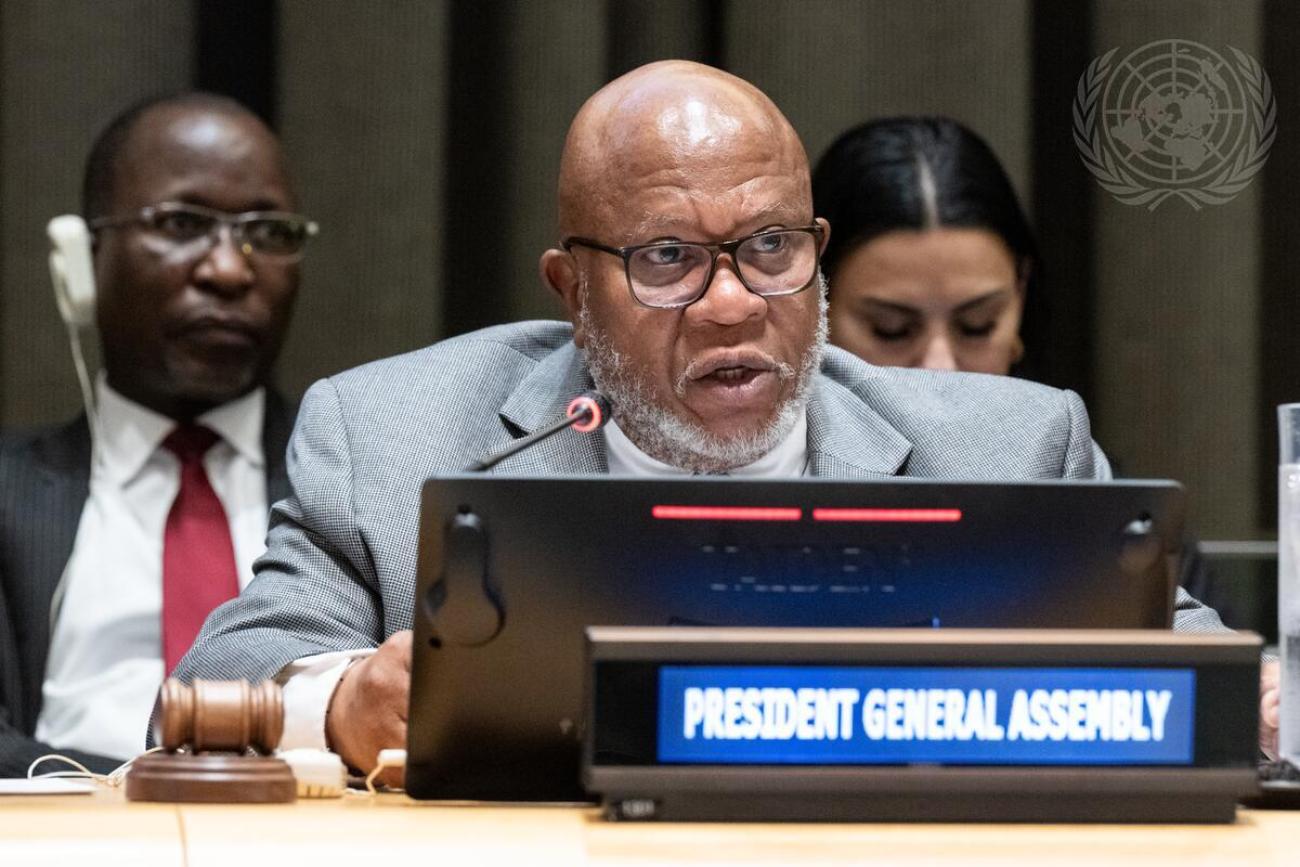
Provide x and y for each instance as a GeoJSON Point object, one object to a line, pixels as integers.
{"type": "Point", "coordinates": [931, 263]}
{"type": "Point", "coordinates": [930, 259]}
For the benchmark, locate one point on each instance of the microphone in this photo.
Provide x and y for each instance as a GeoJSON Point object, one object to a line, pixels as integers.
{"type": "Point", "coordinates": [587, 412]}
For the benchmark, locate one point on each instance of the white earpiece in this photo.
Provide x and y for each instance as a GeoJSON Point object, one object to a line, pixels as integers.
{"type": "Point", "coordinates": [71, 270]}
{"type": "Point", "coordinates": [73, 273]}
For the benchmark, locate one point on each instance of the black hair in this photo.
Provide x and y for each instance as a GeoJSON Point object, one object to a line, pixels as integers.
{"type": "Point", "coordinates": [914, 173]}
{"type": "Point", "coordinates": [919, 173]}
{"type": "Point", "coordinates": [97, 184]}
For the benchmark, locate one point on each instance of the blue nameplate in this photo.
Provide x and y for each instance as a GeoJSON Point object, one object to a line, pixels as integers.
{"type": "Point", "coordinates": [836, 715]}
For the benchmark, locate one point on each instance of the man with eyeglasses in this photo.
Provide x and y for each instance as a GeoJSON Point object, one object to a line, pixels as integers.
{"type": "Point", "coordinates": [688, 265]}
{"type": "Point", "coordinates": [120, 532]}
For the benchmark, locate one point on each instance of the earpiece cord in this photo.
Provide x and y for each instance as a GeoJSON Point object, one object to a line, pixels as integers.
{"type": "Point", "coordinates": [83, 379]}
{"type": "Point", "coordinates": [113, 779]}
{"type": "Point", "coordinates": [392, 758]}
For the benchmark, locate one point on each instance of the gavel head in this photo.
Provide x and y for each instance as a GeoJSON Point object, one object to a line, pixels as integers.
{"type": "Point", "coordinates": [221, 716]}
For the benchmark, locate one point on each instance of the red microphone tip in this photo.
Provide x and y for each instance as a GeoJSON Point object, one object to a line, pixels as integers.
{"type": "Point", "coordinates": [587, 407]}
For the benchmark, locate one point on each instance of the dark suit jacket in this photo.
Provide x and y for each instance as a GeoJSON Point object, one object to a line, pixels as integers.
{"type": "Point", "coordinates": [44, 483]}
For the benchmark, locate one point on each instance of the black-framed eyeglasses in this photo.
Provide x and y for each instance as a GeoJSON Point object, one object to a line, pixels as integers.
{"type": "Point", "coordinates": [671, 274]}
{"type": "Point", "coordinates": [274, 234]}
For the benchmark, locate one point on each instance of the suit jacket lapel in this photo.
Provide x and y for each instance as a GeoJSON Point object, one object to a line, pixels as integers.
{"type": "Point", "coordinates": [61, 460]}
{"type": "Point", "coordinates": [540, 399]}
{"type": "Point", "coordinates": [848, 439]}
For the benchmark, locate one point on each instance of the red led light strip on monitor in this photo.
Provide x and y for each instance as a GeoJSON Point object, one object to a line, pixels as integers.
{"type": "Point", "coordinates": [903, 516]}
{"type": "Point", "coordinates": [781, 513]}
{"type": "Point", "coordinates": [726, 513]}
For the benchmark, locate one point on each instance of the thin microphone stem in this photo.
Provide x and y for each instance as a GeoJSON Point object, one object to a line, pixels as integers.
{"type": "Point", "coordinates": [521, 444]}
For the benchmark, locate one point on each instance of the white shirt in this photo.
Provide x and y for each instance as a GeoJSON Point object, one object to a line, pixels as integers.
{"type": "Point", "coordinates": [105, 662]}
{"type": "Point", "coordinates": [788, 460]}
{"type": "Point", "coordinates": [309, 682]}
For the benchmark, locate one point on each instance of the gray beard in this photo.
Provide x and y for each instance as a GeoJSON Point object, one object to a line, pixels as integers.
{"type": "Point", "coordinates": [671, 440]}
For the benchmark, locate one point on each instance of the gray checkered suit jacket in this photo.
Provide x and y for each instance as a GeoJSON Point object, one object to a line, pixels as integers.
{"type": "Point", "coordinates": [340, 567]}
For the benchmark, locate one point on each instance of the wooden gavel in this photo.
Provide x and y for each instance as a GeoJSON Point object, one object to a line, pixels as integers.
{"type": "Point", "coordinates": [221, 715]}
{"type": "Point", "coordinates": [217, 736]}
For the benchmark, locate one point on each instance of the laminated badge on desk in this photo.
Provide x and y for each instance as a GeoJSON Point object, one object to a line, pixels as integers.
{"type": "Point", "coordinates": [216, 737]}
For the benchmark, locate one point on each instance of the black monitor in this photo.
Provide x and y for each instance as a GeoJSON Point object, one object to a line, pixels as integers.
{"type": "Point", "coordinates": [511, 571]}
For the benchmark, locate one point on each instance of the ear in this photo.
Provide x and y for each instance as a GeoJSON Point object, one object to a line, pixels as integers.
{"type": "Point", "coordinates": [559, 271]}
{"type": "Point", "coordinates": [826, 233]}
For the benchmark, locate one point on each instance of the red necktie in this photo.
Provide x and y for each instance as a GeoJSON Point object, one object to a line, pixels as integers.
{"type": "Point", "coordinates": [198, 555]}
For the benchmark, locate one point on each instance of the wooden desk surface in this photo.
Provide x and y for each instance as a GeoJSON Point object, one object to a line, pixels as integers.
{"type": "Point", "coordinates": [104, 829]}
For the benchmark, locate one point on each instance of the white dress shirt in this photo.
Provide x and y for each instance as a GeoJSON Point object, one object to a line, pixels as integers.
{"type": "Point", "coordinates": [309, 682]}
{"type": "Point", "coordinates": [105, 662]}
{"type": "Point", "coordinates": [788, 460]}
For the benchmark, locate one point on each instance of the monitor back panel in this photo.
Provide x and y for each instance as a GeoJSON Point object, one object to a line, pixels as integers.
{"type": "Point", "coordinates": [496, 709]}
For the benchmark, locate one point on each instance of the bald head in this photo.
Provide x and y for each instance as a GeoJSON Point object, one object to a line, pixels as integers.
{"type": "Point", "coordinates": [707, 352]}
{"type": "Point", "coordinates": [673, 122]}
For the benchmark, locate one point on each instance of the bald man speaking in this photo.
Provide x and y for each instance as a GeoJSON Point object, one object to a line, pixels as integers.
{"type": "Point", "coordinates": [688, 262]}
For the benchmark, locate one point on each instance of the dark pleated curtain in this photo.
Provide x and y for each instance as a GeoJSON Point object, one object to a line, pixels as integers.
{"type": "Point", "coordinates": [424, 136]}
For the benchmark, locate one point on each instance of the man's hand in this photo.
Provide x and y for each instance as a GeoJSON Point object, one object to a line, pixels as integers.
{"type": "Point", "coordinates": [367, 712]}
{"type": "Point", "coordinates": [1270, 692]}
